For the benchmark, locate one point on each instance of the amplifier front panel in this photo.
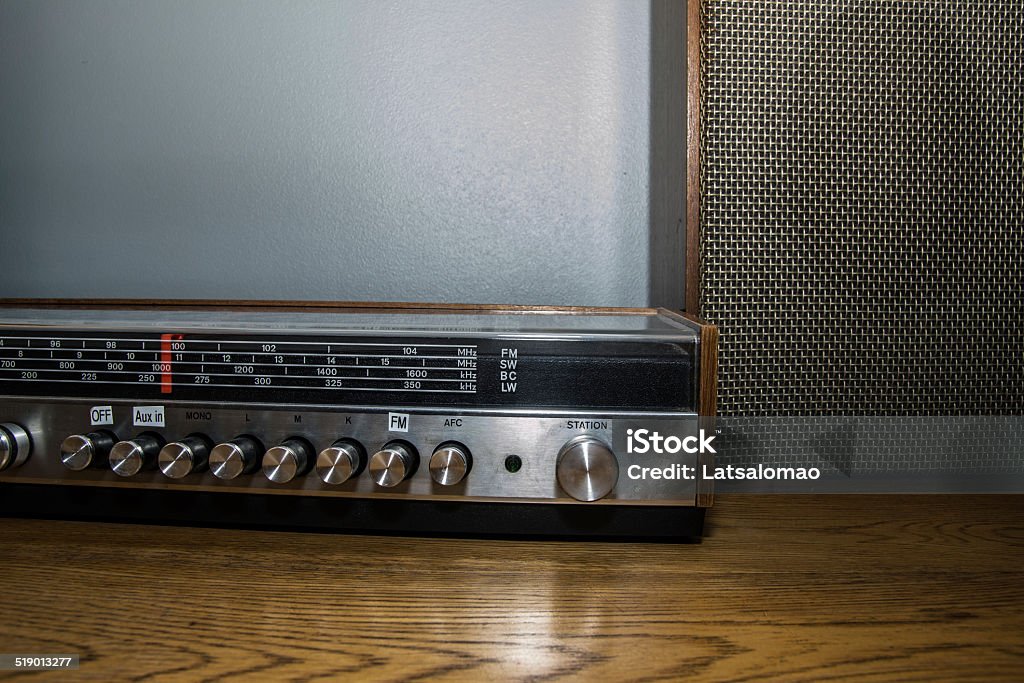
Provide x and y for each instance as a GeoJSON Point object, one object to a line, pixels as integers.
{"type": "Point", "coordinates": [513, 457]}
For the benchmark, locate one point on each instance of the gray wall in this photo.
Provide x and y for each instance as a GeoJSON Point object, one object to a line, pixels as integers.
{"type": "Point", "coordinates": [484, 151]}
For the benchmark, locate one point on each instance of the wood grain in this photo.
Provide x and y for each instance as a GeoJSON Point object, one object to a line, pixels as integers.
{"type": "Point", "coordinates": [799, 588]}
{"type": "Point", "coordinates": [708, 391]}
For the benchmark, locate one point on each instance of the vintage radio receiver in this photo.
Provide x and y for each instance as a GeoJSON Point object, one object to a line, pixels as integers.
{"type": "Point", "coordinates": [359, 417]}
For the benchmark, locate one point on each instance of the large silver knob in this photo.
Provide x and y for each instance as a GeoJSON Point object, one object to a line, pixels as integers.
{"type": "Point", "coordinates": [15, 446]}
{"type": "Point", "coordinates": [80, 451]}
{"type": "Point", "coordinates": [180, 458]}
{"type": "Point", "coordinates": [128, 458]}
{"type": "Point", "coordinates": [587, 469]}
{"type": "Point", "coordinates": [450, 463]}
{"type": "Point", "coordinates": [236, 457]}
{"type": "Point", "coordinates": [393, 464]}
{"type": "Point", "coordinates": [340, 461]}
{"type": "Point", "coordinates": [283, 463]}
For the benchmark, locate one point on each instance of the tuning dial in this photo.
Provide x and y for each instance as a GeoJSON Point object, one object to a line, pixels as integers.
{"type": "Point", "coordinates": [587, 469]}
{"type": "Point", "coordinates": [15, 445]}
{"type": "Point", "coordinates": [292, 458]}
{"type": "Point", "coordinates": [128, 458]}
{"type": "Point", "coordinates": [449, 464]}
{"type": "Point", "coordinates": [180, 458]}
{"type": "Point", "coordinates": [80, 451]}
{"type": "Point", "coordinates": [236, 457]}
{"type": "Point", "coordinates": [393, 464]}
{"type": "Point", "coordinates": [340, 461]}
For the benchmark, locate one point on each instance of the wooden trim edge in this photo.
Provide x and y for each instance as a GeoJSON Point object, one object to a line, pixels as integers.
{"type": "Point", "coordinates": [708, 384]}
{"type": "Point", "coordinates": [709, 371]}
{"type": "Point", "coordinates": [707, 405]}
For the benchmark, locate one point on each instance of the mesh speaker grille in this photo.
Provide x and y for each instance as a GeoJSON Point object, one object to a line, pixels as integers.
{"type": "Point", "coordinates": [862, 193]}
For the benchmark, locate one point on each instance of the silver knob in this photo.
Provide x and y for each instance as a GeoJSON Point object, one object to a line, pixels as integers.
{"type": "Point", "coordinates": [587, 469]}
{"type": "Point", "coordinates": [393, 464]}
{"type": "Point", "coordinates": [236, 457]}
{"type": "Point", "coordinates": [128, 458]}
{"type": "Point", "coordinates": [449, 464]}
{"type": "Point", "coordinates": [80, 451]}
{"type": "Point", "coordinates": [180, 458]}
{"type": "Point", "coordinates": [15, 446]}
{"type": "Point", "coordinates": [283, 463]}
{"type": "Point", "coordinates": [340, 461]}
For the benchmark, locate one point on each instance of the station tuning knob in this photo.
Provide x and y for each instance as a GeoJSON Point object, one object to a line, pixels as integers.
{"type": "Point", "coordinates": [587, 469]}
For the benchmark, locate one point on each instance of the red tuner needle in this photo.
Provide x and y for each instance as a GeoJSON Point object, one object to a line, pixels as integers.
{"type": "Point", "coordinates": [168, 344]}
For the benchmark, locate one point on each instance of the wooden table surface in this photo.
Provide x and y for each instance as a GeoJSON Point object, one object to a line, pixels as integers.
{"type": "Point", "coordinates": [795, 588]}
